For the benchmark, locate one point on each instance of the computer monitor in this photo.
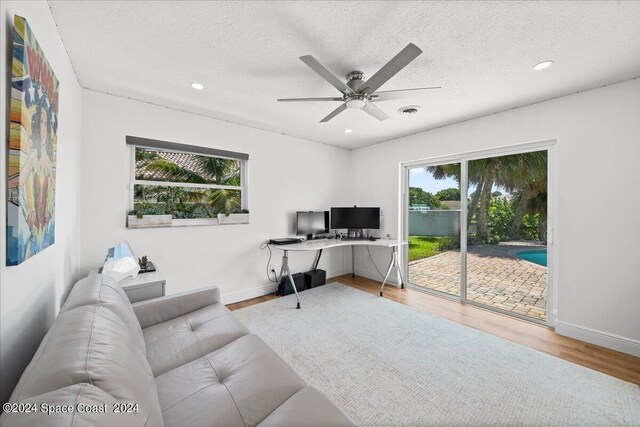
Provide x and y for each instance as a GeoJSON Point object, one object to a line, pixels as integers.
{"type": "Point", "coordinates": [355, 218]}
{"type": "Point", "coordinates": [310, 223]}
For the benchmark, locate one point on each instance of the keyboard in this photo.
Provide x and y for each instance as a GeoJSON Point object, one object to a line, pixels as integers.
{"type": "Point", "coordinates": [285, 241]}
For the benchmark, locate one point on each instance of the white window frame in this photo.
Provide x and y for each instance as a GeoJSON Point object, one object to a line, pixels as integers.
{"type": "Point", "coordinates": [177, 222]}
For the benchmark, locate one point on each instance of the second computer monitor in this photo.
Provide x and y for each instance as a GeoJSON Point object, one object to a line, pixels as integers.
{"type": "Point", "coordinates": [310, 223]}
{"type": "Point", "coordinates": [355, 218]}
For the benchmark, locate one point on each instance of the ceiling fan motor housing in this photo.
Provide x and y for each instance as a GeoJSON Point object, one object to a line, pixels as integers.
{"type": "Point", "coordinates": [355, 79]}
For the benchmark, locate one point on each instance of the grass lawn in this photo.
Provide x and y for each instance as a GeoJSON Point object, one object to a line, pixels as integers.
{"type": "Point", "coordinates": [424, 246]}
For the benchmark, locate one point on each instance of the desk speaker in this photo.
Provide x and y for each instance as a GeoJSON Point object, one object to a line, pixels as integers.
{"type": "Point", "coordinates": [314, 278]}
{"type": "Point", "coordinates": [285, 288]}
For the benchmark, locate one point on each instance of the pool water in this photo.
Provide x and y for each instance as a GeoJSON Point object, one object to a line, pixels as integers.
{"type": "Point", "coordinates": [536, 257]}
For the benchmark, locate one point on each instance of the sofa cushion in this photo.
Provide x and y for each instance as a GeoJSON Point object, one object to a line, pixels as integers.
{"type": "Point", "coordinates": [307, 408]}
{"type": "Point", "coordinates": [237, 385]}
{"type": "Point", "coordinates": [91, 344]}
{"type": "Point", "coordinates": [83, 394]}
{"type": "Point", "coordinates": [105, 291]}
{"type": "Point", "coordinates": [186, 338]}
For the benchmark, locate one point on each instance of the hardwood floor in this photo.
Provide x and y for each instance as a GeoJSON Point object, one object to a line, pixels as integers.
{"type": "Point", "coordinates": [252, 301]}
{"type": "Point", "coordinates": [541, 338]}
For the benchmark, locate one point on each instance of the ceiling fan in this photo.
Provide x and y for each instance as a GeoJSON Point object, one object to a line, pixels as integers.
{"type": "Point", "coordinates": [359, 93]}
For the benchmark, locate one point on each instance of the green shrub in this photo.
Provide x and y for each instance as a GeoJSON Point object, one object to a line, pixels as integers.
{"type": "Point", "coordinates": [501, 215]}
{"type": "Point", "coordinates": [448, 243]}
{"type": "Point", "coordinates": [530, 226]}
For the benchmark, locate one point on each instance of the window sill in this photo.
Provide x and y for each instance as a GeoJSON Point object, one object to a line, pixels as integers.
{"type": "Point", "coordinates": [193, 222]}
{"type": "Point", "coordinates": [187, 223]}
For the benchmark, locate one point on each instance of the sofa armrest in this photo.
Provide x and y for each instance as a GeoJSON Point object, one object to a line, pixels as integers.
{"type": "Point", "coordinates": [161, 309]}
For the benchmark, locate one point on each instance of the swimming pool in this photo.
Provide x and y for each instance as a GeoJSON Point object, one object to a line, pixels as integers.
{"type": "Point", "coordinates": [536, 257]}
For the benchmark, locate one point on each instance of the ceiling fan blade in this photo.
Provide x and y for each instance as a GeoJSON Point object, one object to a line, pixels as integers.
{"type": "Point", "coordinates": [334, 113]}
{"type": "Point", "coordinates": [308, 99]}
{"type": "Point", "coordinates": [388, 95]}
{"type": "Point", "coordinates": [391, 68]}
{"type": "Point", "coordinates": [375, 111]}
{"type": "Point", "coordinates": [326, 74]}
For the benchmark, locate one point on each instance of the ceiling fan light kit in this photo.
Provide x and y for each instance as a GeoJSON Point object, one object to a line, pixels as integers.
{"type": "Point", "coordinates": [356, 101]}
{"type": "Point", "coordinates": [360, 94]}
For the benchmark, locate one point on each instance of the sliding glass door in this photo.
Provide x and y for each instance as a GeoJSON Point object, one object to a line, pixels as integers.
{"type": "Point", "coordinates": [434, 227]}
{"type": "Point", "coordinates": [488, 248]}
{"type": "Point", "coordinates": [506, 233]}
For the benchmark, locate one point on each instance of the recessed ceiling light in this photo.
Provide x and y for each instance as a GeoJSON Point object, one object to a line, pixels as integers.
{"type": "Point", "coordinates": [542, 65]}
{"type": "Point", "coordinates": [197, 86]}
{"type": "Point", "coordinates": [348, 131]}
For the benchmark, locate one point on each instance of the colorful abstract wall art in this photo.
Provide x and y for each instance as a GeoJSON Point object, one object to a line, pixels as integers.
{"type": "Point", "coordinates": [33, 128]}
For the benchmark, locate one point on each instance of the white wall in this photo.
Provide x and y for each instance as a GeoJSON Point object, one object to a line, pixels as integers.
{"type": "Point", "coordinates": [597, 233]}
{"type": "Point", "coordinates": [285, 175]}
{"type": "Point", "coordinates": [32, 292]}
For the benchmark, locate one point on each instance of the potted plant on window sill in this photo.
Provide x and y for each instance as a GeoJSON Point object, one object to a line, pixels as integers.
{"type": "Point", "coordinates": [237, 216]}
{"type": "Point", "coordinates": [143, 218]}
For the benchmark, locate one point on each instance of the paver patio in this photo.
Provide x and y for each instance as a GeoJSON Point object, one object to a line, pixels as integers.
{"type": "Point", "coordinates": [495, 277]}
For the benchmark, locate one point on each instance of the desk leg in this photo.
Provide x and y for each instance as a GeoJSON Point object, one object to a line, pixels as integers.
{"type": "Point", "coordinates": [353, 261]}
{"type": "Point", "coordinates": [286, 270]}
{"type": "Point", "coordinates": [393, 263]}
{"type": "Point", "coordinates": [316, 261]}
{"type": "Point", "coordinates": [281, 271]}
{"type": "Point", "coordinates": [399, 269]}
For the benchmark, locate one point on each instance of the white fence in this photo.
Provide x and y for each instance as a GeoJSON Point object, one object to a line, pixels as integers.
{"type": "Point", "coordinates": [434, 223]}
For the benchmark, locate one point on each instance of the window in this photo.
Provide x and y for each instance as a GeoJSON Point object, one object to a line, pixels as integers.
{"type": "Point", "coordinates": [191, 184]}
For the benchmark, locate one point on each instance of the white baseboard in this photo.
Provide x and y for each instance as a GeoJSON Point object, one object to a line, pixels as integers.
{"type": "Point", "coordinates": [259, 291]}
{"type": "Point", "coordinates": [603, 339]}
{"type": "Point", "coordinates": [338, 272]}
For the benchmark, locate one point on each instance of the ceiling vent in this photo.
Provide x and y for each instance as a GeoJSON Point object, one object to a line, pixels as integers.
{"type": "Point", "coordinates": [410, 109]}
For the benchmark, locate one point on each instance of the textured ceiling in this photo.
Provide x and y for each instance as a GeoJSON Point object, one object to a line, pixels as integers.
{"type": "Point", "coordinates": [246, 55]}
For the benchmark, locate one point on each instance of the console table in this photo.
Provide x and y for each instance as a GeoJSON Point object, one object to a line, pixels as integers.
{"type": "Point", "coordinates": [319, 245]}
{"type": "Point", "coordinates": [142, 287]}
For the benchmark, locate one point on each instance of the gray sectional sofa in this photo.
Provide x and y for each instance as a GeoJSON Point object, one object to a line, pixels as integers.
{"type": "Point", "coordinates": [180, 360]}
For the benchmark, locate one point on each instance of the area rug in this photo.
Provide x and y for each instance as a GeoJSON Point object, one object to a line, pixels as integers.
{"type": "Point", "coordinates": [385, 363]}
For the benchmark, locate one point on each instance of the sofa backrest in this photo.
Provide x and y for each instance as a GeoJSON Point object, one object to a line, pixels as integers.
{"type": "Point", "coordinates": [95, 341]}
{"type": "Point", "coordinates": [103, 290]}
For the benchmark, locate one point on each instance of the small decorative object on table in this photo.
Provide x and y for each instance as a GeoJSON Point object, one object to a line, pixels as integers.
{"type": "Point", "coordinates": [120, 262]}
{"type": "Point", "coordinates": [146, 266]}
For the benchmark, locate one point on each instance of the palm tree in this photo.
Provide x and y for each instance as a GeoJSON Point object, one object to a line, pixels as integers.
{"type": "Point", "coordinates": [524, 174]}
{"type": "Point", "coordinates": [202, 170]}
{"type": "Point", "coordinates": [223, 200]}
{"type": "Point", "coordinates": [488, 177]}
{"type": "Point", "coordinates": [476, 169]}
{"type": "Point", "coordinates": [538, 204]}
{"type": "Point", "coordinates": [206, 170]}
